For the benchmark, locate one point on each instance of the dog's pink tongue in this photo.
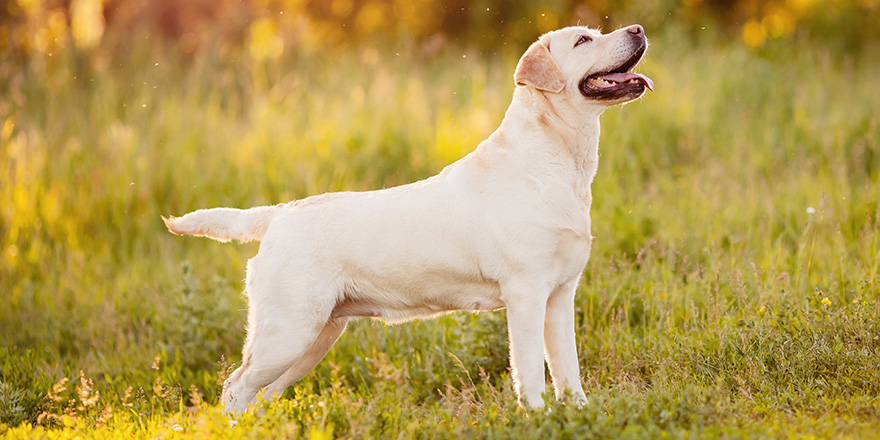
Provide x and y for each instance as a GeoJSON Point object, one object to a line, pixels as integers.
{"type": "Point", "coordinates": [624, 77]}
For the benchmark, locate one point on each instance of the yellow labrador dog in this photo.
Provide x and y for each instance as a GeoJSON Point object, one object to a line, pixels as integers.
{"type": "Point", "coordinates": [507, 226]}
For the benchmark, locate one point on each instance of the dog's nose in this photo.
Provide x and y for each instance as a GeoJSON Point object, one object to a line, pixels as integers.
{"type": "Point", "coordinates": [636, 29]}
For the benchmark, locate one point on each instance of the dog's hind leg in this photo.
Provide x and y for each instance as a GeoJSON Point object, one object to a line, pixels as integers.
{"type": "Point", "coordinates": [270, 351]}
{"type": "Point", "coordinates": [325, 340]}
{"type": "Point", "coordinates": [287, 312]}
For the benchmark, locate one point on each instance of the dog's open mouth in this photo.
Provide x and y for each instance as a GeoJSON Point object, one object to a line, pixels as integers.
{"type": "Point", "coordinates": [618, 83]}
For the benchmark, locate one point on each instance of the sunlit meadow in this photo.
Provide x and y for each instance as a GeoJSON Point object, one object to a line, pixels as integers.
{"type": "Point", "coordinates": [732, 290]}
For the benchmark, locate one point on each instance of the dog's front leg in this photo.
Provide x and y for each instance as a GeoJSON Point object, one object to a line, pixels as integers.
{"type": "Point", "coordinates": [526, 304]}
{"type": "Point", "coordinates": [560, 344]}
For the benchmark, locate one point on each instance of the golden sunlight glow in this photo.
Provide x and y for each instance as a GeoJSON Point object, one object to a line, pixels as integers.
{"type": "Point", "coordinates": [753, 33]}
{"type": "Point", "coordinates": [86, 23]}
{"type": "Point", "coordinates": [265, 43]}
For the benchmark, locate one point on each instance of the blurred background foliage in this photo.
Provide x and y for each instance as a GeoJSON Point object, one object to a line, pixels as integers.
{"type": "Point", "coordinates": [738, 223]}
{"type": "Point", "coordinates": [266, 28]}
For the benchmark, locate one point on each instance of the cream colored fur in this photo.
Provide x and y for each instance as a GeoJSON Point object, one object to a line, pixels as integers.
{"type": "Point", "coordinates": [507, 226]}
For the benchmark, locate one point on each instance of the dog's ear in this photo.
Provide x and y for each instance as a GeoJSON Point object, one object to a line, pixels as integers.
{"type": "Point", "coordinates": [537, 68]}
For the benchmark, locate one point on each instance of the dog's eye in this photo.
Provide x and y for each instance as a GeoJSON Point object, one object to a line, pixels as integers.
{"type": "Point", "coordinates": [583, 39]}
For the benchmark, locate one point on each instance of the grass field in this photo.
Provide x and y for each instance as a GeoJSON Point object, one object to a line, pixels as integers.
{"type": "Point", "coordinates": [732, 291]}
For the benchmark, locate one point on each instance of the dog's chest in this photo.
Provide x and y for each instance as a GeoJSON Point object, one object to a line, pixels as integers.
{"type": "Point", "coordinates": [573, 252]}
{"type": "Point", "coordinates": [569, 207]}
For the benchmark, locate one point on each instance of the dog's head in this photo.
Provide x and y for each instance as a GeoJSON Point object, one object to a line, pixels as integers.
{"type": "Point", "coordinates": [586, 62]}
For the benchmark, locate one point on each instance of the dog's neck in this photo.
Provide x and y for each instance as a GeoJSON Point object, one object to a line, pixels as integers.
{"type": "Point", "coordinates": [556, 131]}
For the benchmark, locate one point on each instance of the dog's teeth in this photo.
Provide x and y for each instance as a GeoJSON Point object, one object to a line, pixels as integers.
{"type": "Point", "coordinates": [603, 83]}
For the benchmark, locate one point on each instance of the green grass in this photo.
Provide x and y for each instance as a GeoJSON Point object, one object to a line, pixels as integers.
{"type": "Point", "coordinates": [732, 291]}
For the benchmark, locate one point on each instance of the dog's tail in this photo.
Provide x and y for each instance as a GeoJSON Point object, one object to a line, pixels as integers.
{"type": "Point", "coordinates": [224, 224]}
